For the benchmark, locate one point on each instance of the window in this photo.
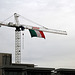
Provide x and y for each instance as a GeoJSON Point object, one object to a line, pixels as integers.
{"type": "Point", "coordinates": [13, 73]}
{"type": "Point", "coordinates": [6, 60]}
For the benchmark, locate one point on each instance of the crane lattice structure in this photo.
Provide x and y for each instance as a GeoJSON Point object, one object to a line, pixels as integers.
{"type": "Point", "coordinates": [20, 27]}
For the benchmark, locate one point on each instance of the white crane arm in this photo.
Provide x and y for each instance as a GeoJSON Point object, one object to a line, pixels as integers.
{"type": "Point", "coordinates": [53, 31]}
{"type": "Point", "coordinates": [10, 24]}
{"type": "Point", "coordinates": [46, 30]}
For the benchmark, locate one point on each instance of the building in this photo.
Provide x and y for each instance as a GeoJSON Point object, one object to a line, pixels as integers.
{"type": "Point", "coordinates": [9, 68]}
{"type": "Point", "coordinates": [64, 71]}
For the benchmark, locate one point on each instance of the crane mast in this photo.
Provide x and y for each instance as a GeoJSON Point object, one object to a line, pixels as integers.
{"type": "Point", "coordinates": [17, 40]}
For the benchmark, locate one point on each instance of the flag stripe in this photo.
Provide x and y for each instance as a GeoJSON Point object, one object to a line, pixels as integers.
{"type": "Point", "coordinates": [38, 33]}
{"type": "Point", "coordinates": [33, 33]}
{"type": "Point", "coordinates": [42, 34]}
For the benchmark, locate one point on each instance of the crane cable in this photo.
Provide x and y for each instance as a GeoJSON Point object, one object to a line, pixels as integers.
{"type": "Point", "coordinates": [7, 19]}
{"type": "Point", "coordinates": [32, 21]}
{"type": "Point", "coordinates": [25, 19]}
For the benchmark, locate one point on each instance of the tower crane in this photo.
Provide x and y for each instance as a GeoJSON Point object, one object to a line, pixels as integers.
{"type": "Point", "coordinates": [20, 27]}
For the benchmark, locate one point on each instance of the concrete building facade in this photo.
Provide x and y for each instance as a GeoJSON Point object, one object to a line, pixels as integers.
{"type": "Point", "coordinates": [9, 68]}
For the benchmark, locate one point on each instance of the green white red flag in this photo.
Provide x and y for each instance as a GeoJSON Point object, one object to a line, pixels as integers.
{"type": "Point", "coordinates": [36, 33]}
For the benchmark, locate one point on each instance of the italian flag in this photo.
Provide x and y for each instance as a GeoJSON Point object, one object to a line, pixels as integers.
{"type": "Point", "coordinates": [35, 33]}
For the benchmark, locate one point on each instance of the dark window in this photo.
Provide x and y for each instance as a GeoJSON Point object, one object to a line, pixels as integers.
{"type": "Point", "coordinates": [6, 60]}
{"type": "Point", "coordinates": [13, 73]}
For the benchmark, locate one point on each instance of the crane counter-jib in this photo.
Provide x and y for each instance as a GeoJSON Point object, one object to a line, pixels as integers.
{"type": "Point", "coordinates": [7, 24]}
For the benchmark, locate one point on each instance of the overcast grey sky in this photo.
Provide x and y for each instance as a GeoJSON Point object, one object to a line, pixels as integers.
{"type": "Point", "coordinates": [56, 50]}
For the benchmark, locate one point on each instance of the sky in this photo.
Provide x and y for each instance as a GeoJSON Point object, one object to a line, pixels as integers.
{"type": "Point", "coordinates": [56, 51]}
